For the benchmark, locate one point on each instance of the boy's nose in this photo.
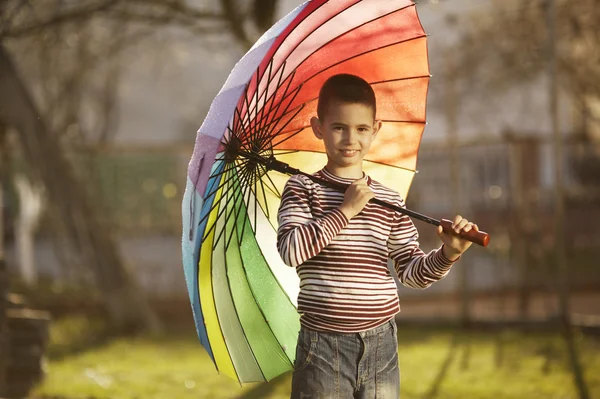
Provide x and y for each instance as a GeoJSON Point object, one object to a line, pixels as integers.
{"type": "Point", "coordinates": [350, 136]}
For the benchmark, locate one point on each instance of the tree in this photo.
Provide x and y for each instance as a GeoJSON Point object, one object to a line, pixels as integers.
{"type": "Point", "coordinates": [45, 25]}
{"type": "Point", "coordinates": [507, 46]}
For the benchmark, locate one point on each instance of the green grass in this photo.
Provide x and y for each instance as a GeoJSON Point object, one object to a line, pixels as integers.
{"type": "Point", "coordinates": [435, 363]}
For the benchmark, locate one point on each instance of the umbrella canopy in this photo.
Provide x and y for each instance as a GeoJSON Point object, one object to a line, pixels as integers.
{"type": "Point", "coordinates": [243, 296]}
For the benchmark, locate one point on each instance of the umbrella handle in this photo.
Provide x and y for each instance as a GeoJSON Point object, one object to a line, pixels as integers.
{"type": "Point", "coordinates": [478, 237]}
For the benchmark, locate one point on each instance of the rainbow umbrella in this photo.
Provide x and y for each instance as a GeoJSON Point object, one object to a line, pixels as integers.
{"type": "Point", "coordinates": [243, 296]}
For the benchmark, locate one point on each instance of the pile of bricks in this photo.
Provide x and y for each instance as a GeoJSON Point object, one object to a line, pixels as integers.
{"type": "Point", "coordinates": [27, 336]}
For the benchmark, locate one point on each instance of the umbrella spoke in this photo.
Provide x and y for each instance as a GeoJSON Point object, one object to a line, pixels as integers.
{"type": "Point", "coordinates": [226, 209]}
{"type": "Point", "coordinates": [239, 212]}
{"type": "Point", "coordinates": [277, 87]}
{"type": "Point", "coordinates": [294, 94]}
{"type": "Point", "coordinates": [236, 210]}
{"type": "Point", "coordinates": [273, 189]}
{"type": "Point", "coordinates": [212, 193]}
{"type": "Point", "coordinates": [262, 109]}
{"type": "Point", "coordinates": [229, 168]}
{"type": "Point", "coordinates": [295, 111]}
{"type": "Point", "coordinates": [274, 111]}
{"type": "Point", "coordinates": [242, 127]}
{"type": "Point", "coordinates": [221, 185]}
{"type": "Point", "coordinates": [227, 201]}
{"type": "Point", "coordinates": [266, 98]}
{"type": "Point", "coordinates": [264, 194]}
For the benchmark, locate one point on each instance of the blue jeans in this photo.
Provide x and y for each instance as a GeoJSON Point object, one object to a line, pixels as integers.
{"type": "Point", "coordinates": [341, 366]}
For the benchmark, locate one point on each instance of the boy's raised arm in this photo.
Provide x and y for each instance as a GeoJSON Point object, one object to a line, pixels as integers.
{"type": "Point", "coordinates": [415, 268]}
{"type": "Point", "coordinates": [300, 235]}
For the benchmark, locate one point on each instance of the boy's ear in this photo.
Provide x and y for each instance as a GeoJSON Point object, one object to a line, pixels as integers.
{"type": "Point", "coordinates": [315, 123]}
{"type": "Point", "coordinates": [376, 127]}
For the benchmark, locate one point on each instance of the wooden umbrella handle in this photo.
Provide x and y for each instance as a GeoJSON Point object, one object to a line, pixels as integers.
{"type": "Point", "coordinates": [478, 237]}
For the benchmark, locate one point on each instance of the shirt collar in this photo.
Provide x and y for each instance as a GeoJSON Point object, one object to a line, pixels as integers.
{"type": "Point", "coordinates": [330, 176]}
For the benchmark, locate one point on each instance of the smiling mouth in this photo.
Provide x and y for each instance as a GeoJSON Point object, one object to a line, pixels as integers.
{"type": "Point", "coordinates": [348, 153]}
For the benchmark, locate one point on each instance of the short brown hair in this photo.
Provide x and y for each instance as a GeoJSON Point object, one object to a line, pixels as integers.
{"type": "Point", "coordinates": [345, 88]}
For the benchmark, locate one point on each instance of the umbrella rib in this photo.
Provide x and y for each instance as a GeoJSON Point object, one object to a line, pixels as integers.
{"type": "Point", "coordinates": [280, 131]}
{"type": "Point", "coordinates": [268, 132]}
{"type": "Point", "coordinates": [275, 120]}
{"type": "Point", "coordinates": [255, 206]}
{"type": "Point", "coordinates": [227, 201]}
{"type": "Point", "coordinates": [242, 192]}
{"type": "Point", "coordinates": [262, 109]}
{"type": "Point", "coordinates": [212, 208]}
{"type": "Point", "coordinates": [284, 152]}
{"type": "Point", "coordinates": [273, 189]}
{"type": "Point", "coordinates": [239, 209]}
{"type": "Point", "coordinates": [274, 93]}
{"type": "Point", "coordinates": [254, 127]}
{"type": "Point", "coordinates": [291, 134]}
{"type": "Point", "coordinates": [237, 118]}
{"type": "Point", "coordinates": [241, 126]}
{"type": "Point", "coordinates": [262, 186]}
{"type": "Point", "coordinates": [284, 94]}
{"type": "Point", "coordinates": [228, 215]}
{"type": "Point", "coordinates": [247, 117]}
{"type": "Point", "coordinates": [231, 167]}
{"type": "Point", "coordinates": [210, 186]}
{"type": "Point", "coordinates": [225, 208]}
{"type": "Point", "coordinates": [219, 186]}
{"type": "Point", "coordinates": [246, 190]}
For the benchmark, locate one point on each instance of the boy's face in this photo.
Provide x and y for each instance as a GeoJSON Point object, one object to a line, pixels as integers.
{"type": "Point", "coordinates": [347, 131]}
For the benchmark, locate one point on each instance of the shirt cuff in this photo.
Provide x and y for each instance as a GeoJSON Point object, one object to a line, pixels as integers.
{"type": "Point", "coordinates": [443, 257]}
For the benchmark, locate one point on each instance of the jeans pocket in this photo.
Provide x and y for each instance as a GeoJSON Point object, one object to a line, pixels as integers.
{"type": "Point", "coordinates": [305, 349]}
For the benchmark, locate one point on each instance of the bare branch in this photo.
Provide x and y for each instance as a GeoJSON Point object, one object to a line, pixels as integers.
{"type": "Point", "coordinates": [164, 12]}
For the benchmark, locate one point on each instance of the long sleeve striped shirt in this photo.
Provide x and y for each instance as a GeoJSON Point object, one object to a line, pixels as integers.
{"type": "Point", "coordinates": [345, 284]}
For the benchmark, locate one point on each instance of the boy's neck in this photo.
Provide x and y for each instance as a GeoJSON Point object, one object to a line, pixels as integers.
{"type": "Point", "coordinates": [351, 172]}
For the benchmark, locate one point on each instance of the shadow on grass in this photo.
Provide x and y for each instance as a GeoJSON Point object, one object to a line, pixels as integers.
{"type": "Point", "coordinates": [441, 375]}
{"type": "Point", "coordinates": [265, 389]}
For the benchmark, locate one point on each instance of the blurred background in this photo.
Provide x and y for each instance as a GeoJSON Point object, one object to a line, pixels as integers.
{"type": "Point", "coordinates": [100, 101]}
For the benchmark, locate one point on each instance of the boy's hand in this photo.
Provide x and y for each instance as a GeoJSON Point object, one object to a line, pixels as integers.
{"type": "Point", "coordinates": [454, 246]}
{"type": "Point", "coordinates": [356, 197]}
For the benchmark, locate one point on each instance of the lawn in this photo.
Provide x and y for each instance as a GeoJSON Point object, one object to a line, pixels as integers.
{"type": "Point", "coordinates": [435, 363]}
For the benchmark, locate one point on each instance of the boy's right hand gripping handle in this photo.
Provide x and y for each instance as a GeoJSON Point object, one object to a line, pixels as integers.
{"type": "Point", "coordinates": [478, 237]}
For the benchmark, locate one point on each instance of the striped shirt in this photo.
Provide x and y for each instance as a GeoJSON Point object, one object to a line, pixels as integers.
{"type": "Point", "coordinates": [345, 284]}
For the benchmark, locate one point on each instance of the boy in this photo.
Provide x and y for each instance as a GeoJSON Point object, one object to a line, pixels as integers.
{"type": "Point", "coordinates": [339, 244]}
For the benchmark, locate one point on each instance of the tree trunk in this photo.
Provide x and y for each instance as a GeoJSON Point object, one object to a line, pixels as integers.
{"type": "Point", "coordinates": [3, 276]}
{"type": "Point", "coordinates": [89, 233]}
